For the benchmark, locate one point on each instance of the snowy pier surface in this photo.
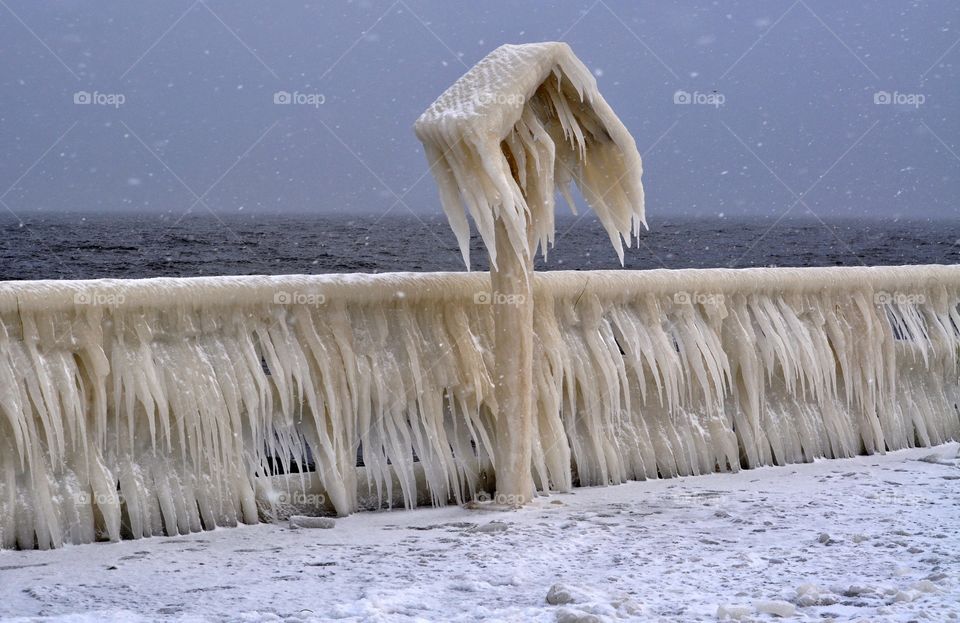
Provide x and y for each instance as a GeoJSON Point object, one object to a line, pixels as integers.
{"type": "Point", "coordinates": [863, 539]}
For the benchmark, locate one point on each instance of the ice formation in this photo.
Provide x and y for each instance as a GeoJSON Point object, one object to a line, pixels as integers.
{"type": "Point", "coordinates": [503, 140]}
{"type": "Point", "coordinates": [518, 127]}
{"type": "Point", "coordinates": [166, 406]}
{"type": "Point", "coordinates": [162, 406]}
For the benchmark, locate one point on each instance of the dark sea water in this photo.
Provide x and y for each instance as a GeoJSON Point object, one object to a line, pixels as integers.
{"type": "Point", "coordinates": [130, 246]}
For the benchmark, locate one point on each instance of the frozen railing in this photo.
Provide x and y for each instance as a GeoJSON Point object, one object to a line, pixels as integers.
{"type": "Point", "coordinates": [163, 406]}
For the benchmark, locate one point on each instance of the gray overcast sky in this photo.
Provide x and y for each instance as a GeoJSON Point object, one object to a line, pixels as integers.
{"type": "Point", "coordinates": [804, 88]}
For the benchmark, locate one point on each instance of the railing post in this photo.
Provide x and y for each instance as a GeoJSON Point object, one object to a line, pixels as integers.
{"type": "Point", "coordinates": [523, 124]}
{"type": "Point", "coordinates": [512, 302]}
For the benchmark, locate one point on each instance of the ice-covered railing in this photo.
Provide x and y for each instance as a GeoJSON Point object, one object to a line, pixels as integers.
{"type": "Point", "coordinates": [163, 406]}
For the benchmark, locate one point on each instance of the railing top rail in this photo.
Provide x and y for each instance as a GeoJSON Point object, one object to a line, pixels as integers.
{"type": "Point", "coordinates": [359, 288]}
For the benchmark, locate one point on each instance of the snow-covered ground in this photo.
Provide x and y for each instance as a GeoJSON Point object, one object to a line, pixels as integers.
{"type": "Point", "coordinates": [867, 539]}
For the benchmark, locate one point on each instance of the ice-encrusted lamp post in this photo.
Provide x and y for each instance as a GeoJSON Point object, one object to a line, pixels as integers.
{"type": "Point", "coordinates": [502, 140]}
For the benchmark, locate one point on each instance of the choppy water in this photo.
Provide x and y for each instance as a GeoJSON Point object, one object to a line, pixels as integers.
{"type": "Point", "coordinates": [84, 247]}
